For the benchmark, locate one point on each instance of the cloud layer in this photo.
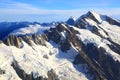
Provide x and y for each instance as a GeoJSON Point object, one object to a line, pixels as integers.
{"type": "Point", "coordinates": [23, 11]}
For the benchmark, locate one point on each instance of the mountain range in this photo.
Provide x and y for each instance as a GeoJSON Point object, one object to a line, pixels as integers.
{"type": "Point", "coordinates": [87, 48]}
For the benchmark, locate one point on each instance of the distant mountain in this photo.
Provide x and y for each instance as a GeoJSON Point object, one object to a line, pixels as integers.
{"type": "Point", "coordinates": [7, 27]}
{"type": "Point", "coordinates": [87, 49]}
{"type": "Point", "coordinates": [71, 21]}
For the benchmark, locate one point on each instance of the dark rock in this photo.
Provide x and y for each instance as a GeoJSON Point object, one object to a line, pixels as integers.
{"type": "Point", "coordinates": [54, 36]}
{"type": "Point", "coordinates": [81, 23]}
{"type": "Point", "coordinates": [92, 16]}
{"type": "Point", "coordinates": [101, 64]}
{"type": "Point", "coordinates": [2, 71]}
{"type": "Point", "coordinates": [52, 75]}
{"type": "Point", "coordinates": [114, 46]}
{"type": "Point", "coordinates": [45, 56]}
{"type": "Point", "coordinates": [112, 21]}
{"type": "Point", "coordinates": [24, 76]}
{"type": "Point", "coordinates": [13, 41]}
{"type": "Point", "coordinates": [1, 41]}
{"type": "Point", "coordinates": [38, 39]}
{"type": "Point", "coordinates": [65, 45]}
{"type": "Point", "coordinates": [27, 39]}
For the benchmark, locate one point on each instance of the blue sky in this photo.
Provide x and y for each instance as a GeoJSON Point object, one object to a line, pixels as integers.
{"type": "Point", "coordinates": [55, 10]}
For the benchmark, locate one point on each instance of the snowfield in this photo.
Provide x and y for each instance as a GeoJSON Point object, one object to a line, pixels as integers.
{"type": "Point", "coordinates": [87, 36]}
{"type": "Point", "coordinates": [31, 59]}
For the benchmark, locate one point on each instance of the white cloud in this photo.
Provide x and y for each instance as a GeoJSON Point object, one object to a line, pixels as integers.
{"type": "Point", "coordinates": [17, 8]}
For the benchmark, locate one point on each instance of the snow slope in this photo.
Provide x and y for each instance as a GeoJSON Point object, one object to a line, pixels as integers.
{"type": "Point", "coordinates": [103, 26]}
{"type": "Point", "coordinates": [31, 59]}
{"type": "Point", "coordinates": [87, 36]}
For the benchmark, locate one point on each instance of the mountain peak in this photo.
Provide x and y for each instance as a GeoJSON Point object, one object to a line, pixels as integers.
{"type": "Point", "coordinates": [92, 12]}
{"type": "Point", "coordinates": [71, 20]}
{"type": "Point", "coordinates": [95, 16]}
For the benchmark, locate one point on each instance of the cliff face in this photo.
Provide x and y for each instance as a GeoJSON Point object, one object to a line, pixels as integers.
{"type": "Point", "coordinates": [13, 40]}
{"type": "Point", "coordinates": [24, 76]}
{"type": "Point", "coordinates": [112, 21]}
{"type": "Point", "coordinates": [2, 71]}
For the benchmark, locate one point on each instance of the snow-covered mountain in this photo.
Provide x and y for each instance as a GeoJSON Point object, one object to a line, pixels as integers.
{"type": "Point", "coordinates": [89, 49]}
{"type": "Point", "coordinates": [71, 21]}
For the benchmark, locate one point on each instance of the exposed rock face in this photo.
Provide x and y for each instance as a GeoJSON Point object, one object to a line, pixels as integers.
{"type": "Point", "coordinates": [95, 59]}
{"type": "Point", "coordinates": [52, 75]}
{"type": "Point", "coordinates": [98, 62]}
{"type": "Point", "coordinates": [13, 40]}
{"type": "Point", "coordinates": [16, 40]}
{"type": "Point", "coordinates": [104, 62]}
{"type": "Point", "coordinates": [2, 71]}
{"type": "Point", "coordinates": [81, 23]}
{"type": "Point", "coordinates": [1, 41]}
{"type": "Point", "coordinates": [82, 57]}
{"type": "Point", "coordinates": [112, 21]}
{"type": "Point", "coordinates": [24, 76]}
{"type": "Point", "coordinates": [36, 38]}
{"type": "Point", "coordinates": [91, 16]}
{"type": "Point", "coordinates": [55, 35]}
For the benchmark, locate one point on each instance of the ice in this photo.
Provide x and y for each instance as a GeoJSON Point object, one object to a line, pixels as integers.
{"type": "Point", "coordinates": [31, 59]}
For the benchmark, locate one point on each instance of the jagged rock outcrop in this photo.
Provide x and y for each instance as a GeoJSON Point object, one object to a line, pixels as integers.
{"type": "Point", "coordinates": [36, 38]}
{"type": "Point", "coordinates": [81, 22]}
{"type": "Point", "coordinates": [1, 41]}
{"type": "Point", "coordinates": [24, 76]}
{"type": "Point", "coordinates": [55, 35]}
{"type": "Point", "coordinates": [13, 41]}
{"type": "Point", "coordinates": [112, 21]}
{"type": "Point", "coordinates": [92, 16]}
{"type": "Point", "coordinates": [52, 75]}
{"type": "Point", "coordinates": [2, 71]}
